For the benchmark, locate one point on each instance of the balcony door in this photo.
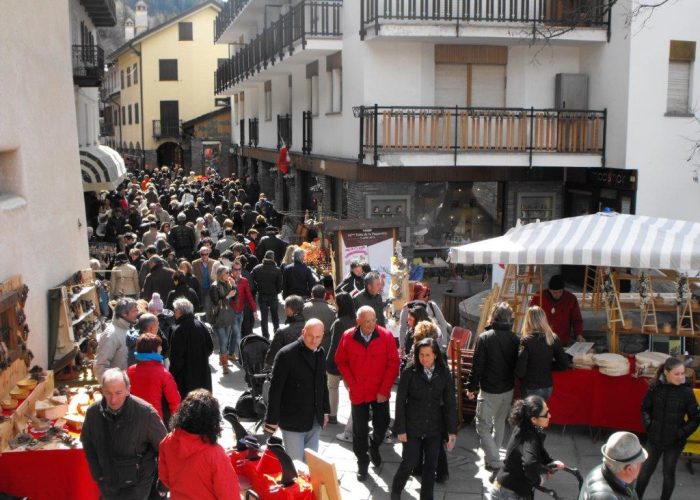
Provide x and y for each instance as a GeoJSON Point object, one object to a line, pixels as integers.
{"type": "Point", "coordinates": [169, 118]}
{"type": "Point", "coordinates": [472, 85]}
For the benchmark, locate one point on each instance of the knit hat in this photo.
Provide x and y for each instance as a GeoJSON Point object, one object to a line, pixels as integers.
{"type": "Point", "coordinates": [556, 282]}
{"type": "Point", "coordinates": [156, 304]}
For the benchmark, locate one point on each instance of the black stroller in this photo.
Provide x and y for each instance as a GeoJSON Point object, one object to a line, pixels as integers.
{"type": "Point", "coordinates": [253, 402]}
{"type": "Point", "coordinates": [574, 472]}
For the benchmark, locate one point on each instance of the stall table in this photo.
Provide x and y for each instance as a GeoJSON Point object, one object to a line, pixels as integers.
{"type": "Point", "coordinates": [587, 397]}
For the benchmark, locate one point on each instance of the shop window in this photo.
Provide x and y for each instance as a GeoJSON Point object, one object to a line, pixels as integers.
{"type": "Point", "coordinates": [533, 207]}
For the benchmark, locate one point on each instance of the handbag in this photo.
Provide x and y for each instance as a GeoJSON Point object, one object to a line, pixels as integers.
{"type": "Point", "coordinates": [126, 471]}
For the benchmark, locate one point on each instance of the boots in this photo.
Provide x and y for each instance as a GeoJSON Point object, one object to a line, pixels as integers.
{"type": "Point", "coordinates": [223, 361]}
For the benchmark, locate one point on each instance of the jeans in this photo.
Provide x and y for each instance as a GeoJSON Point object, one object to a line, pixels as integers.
{"type": "Point", "coordinates": [268, 303]}
{"type": "Point", "coordinates": [296, 442]}
{"type": "Point", "coordinates": [333, 385]}
{"type": "Point", "coordinates": [543, 392]}
{"type": "Point", "coordinates": [670, 454]}
{"type": "Point", "coordinates": [234, 340]}
{"type": "Point", "coordinates": [223, 334]}
{"type": "Point", "coordinates": [360, 429]}
{"type": "Point", "coordinates": [491, 413]}
{"type": "Point", "coordinates": [206, 304]}
{"type": "Point", "coordinates": [411, 457]}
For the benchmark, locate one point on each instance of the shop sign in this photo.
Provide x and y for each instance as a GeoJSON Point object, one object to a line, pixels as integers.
{"type": "Point", "coordinates": [372, 246]}
{"type": "Point", "coordinates": [614, 178]}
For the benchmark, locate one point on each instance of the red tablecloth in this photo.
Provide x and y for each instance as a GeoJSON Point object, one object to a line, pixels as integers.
{"type": "Point", "coordinates": [587, 397]}
{"type": "Point", "coordinates": [47, 475]}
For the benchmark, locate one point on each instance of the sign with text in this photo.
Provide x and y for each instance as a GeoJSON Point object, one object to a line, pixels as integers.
{"type": "Point", "coordinates": [373, 246]}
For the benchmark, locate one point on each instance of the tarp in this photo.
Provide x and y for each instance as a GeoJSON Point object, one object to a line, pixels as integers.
{"type": "Point", "coordinates": [602, 239]}
{"type": "Point", "coordinates": [102, 168]}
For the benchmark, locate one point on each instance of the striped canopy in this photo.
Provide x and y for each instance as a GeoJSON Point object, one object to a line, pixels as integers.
{"type": "Point", "coordinates": [102, 168]}
{"type": "Point", "coordinates": [602, 239]}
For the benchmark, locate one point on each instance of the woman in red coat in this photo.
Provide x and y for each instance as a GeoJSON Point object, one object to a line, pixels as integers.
{"type": "Point", "coordinates": [190, 462]}
{"type": "Point", "coordinates": [149, 379]}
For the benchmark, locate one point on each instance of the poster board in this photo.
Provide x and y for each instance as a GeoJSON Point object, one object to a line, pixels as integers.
{"type": "Point", "coordinates": [372, 246]}
{"type": "Point", "coordinates": [324, 479]}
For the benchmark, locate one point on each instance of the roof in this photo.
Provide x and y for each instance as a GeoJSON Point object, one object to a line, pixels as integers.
{"type": "Point", "coordinates": [206, 116]}
{"type": "Point", "coordinates": [603, 239]}
{"type": "Point", "coordinates": [213, 3]}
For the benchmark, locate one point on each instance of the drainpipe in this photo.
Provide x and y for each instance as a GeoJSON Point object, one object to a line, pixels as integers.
{"type": "Point", "coordinates": [141, 111]}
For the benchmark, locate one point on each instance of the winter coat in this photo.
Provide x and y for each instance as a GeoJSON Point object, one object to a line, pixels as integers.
{"type": "Point", "coordinates": [182, 239]}
{"type": "Point", "coordinates": [271, 242]}
{"type": "Point", "coordinates": [190, 348]}
{"type": "Point", "coordinates": [367, 369]}
{"type": "Point", "coordinates": [198, 270]}
{"type": "Point", "coordinates": [665, 409]}
{"type": "Point", "coordinates": [183, 290]}
{"type": "Point", "coordinates": [195, 469]}
{"type": "Point", "coordinates": [243, 297]}
{"type": "Point", "coordinates": [526, 460]}
{"type": "Point", "coordinates": [536, 360]}
{"type": "Point", "coordinates": [111, 348]}
{"type": "Point", "coordinates": [601, 484]}
{"type": "Point", "coordinates": [109, 441]}
{"type": "Point", "coordinates": [285, 334]}
{"type": "Point", "coordinates": [222, 313]}
{"type": "Point", "coordinates": [493, 367]}
{"type": "Point", "coordinates": [124, 281]}
{"type": "Point", "coordinates": [322, 310]}
{"type": "Point", "coordinates": [297, 279]}
{"type": "Point", "coordinates": [375, 302]}
{"type": "Point", "coordinates": [338, 327]}
{"type": "Point", "coordinates": [566, 315]}
{"type": "Point", "coordinates": [160, 280]}
{"type": "Point", "coordinates": [267, 278]}
{"type": "Point", "coordinates": [152, 382]}
{"type": "Point", "coordinates": [351, 284]}
{"type": "Point", "coordinates": [425, 408]}
{"type": "Point", "coordinates": [298, 395]}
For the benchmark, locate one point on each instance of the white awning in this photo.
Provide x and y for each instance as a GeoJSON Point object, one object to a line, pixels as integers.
{"type": "Point", "coordinates": [602, 239]}
{"type": "Point", "coordinates": [101, 168]}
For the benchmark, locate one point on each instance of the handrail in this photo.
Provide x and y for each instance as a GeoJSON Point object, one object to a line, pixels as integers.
{"type": "Point", "coordinates": [253, 137]}
{"type": "Point", "coordinates": [228, 14]}
{"type": "Point", "coordinates": [307, 125]}
{"type": "Point", "coordinates": [167, 128]}
{"type": "Point", "coordinates": [284, 131]}
{"type": "Point", "coordinates": [595, 13]}
{"type": "Point", "coordinates": [387, 129]}
{"type": "Point", "coordinates": [88, 60]}
{"type": "Point", "coordinates": [308, 19]}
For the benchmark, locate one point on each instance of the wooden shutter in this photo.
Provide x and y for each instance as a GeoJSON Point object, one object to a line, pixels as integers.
{"type": "Point", "coordinates": [168, 69]}
{"type": "Point", "coordinates": [678, 87]}
{"type": "Point", "coordinates": [450, 85]}
{"type": "Point", "coordinates": [184, 31]}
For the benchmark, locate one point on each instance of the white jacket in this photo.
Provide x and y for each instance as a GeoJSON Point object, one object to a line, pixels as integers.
{"type": "Point", "coordinates": [111, 348]}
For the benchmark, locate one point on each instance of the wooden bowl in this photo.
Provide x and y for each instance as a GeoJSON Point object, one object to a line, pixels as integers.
{"type": "Point", "coordinates": [27, 383]}
{"type": "Point", "coordinates": [19, 393]}
{"type": "Point", "coordinates": [9, 404]}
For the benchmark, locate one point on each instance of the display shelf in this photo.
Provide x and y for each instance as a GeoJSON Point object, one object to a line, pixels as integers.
{"type": "Point", "coordinates": [83, 316]}
{"type": "Point", "coordinates": [85, 290]}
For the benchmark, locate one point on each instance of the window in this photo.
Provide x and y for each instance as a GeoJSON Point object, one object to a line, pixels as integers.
{"type": "Point", "coordinates": [185, 31]}
{"type": "Point", "coordinates": [123, 115]}
{"type": "Point", "coordinates": [128, 76]}
{"type": "Point", "coordinates": [312, 87]}
{"type": "Point", "coordinates": [268, 100]}
{"type": "Point", "coordinates": [135, 72]}
{"type": "Point", "coordinates": [680, 69]}
{"type": "Point", "coordinates": [116, 117]}
{"type": "Point", "coordinates": [168, 69]}
{"type": "Point", "coordinates": [129, 113]}
{"type": "Point", "coordinates": [123, 80]}
{"type": "Point", "coordinates": [136, 113]}
{"type": "Point", "coordinates": [334, 70]}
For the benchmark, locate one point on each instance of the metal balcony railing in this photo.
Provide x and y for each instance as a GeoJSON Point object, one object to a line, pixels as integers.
{"type": "Point", "coordinates": [566, 13]}
{"type": "Point", "coordinates": [106, 129]}
{"type": "Point", "coordinates": [408, 129]}
{"type": "Point", "coordinates": [228, 13]}
{"type": "Point", "coordinates": [284, 131]}
{"type": "Point", "coordinates": [307, 125]}
{"type": "Point", "coordinates": [307, 19]}
{"type": "Point", "coordinates": [88, 65]}
{"type": "Point", "coordinates": [170, 129]}
{"type": "Point", "coordinates": [253, 132]}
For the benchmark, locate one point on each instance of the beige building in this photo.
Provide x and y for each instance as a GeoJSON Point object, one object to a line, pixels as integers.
{"type": "Point", "coordinates": [165, 77]}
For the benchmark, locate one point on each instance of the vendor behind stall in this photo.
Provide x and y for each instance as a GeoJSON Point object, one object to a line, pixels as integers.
{"type": "Point", "coordinates": [562, 310]}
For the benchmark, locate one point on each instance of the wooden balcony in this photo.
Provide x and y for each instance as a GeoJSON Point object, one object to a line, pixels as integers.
{"type": "Point", "coordinates": [455, 131]}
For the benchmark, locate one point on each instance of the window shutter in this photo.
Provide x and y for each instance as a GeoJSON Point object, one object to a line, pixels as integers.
{"type": "Point", "coordinates": [450, 85]}
{"type": "Point", "coordinates": [678, 86]}
{"type": "Point", "coordinates": [488, 86]}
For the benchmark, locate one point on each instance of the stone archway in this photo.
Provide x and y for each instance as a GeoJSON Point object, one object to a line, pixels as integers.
{"type": "Point", "coordinates": [169, 154]}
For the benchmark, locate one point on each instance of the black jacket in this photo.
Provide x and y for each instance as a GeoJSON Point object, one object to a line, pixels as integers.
{"type": "Point", "coordinates": [297, 280]}
{"type": "Point", "coordinates": [136, 430]}
{"type": "Point", "coordinates": [271, 242]}
{"type": "Point", "coordinates": [160, 280]}
{"type": "Point", "coordinates": [298, 391]}
{"type": "Point", "coordinates": [285, 334]}
{"type": "Point", "coordinates": [183, 290]}
{"type": "Point", "coordinates": [536, 360]}
{"type": "Point", "coordinates": [182, 239]}
{"type": "Point", "coordinates": [337, 329]}
{"type": "Point", "coordinates": [351, 284]}
{"type": "Point", "coordinates": [376, 302]}
{"type": "Point", "coordinates": [425, 407]}
{"type": "Point", "coordinates": [526, 461]}
{"type": "Point", "coordinates": [190, 348]}
{"type": "Point", "coordinates": [601, 484]}
{"type": "Point", "coordinates": [664, 411]}
{"type": "Point", "coordinates": [267, 278]}
{"type": "Point", "coordinates": [494, 361]}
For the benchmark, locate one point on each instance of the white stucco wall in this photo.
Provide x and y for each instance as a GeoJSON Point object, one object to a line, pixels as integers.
{"type": "Point", "coordinates": [39, 160]}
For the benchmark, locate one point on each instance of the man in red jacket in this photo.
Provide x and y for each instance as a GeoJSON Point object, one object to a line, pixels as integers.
{"type": "Point", "coordinates": [368, 362]}
{"type": "Point", "coordinates": [562, 310]}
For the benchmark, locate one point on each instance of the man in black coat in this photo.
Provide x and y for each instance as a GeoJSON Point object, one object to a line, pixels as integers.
{"type": "Point", "coordinates": [297, 277]}
{"type": "Point", "coordinates": [190, 348]}
{"type": "Point", "coordinates": [267, 278]}
{"type": "Point", "coordinates": [372, 296]}
{"type": "Point", "coordinates": [298, 401]}
{"type": "Point", "coordinates": [288, 333]}
{"type": "Point", "coordinates": [159, 279]}
{"type": "Point", "coordinates": [271, 242]}
{"type": "Point", "coordinates": [182, 238]}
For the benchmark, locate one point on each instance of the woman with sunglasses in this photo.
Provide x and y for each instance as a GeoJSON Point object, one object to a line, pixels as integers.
{"type": "Point", "coordinates": [527, 463]}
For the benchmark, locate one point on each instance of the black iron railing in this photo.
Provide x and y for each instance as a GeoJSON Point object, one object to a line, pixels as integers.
{"type": "Point", "coordinates": [594, 13]}
{"type": "Point", "coordinates": [308, 136]}
{"type": "Point", "coordinates": [228, 13]}
{"type": "Point", "coordinates": [253, 132]}
{"type": "Point", "coordinates": [106, 129]}
{"type": "Point", "coordinates": [307, 19]}
{"type": "Point", "coordinates": [284, 131]}
{"type": "Point", "coordinates": [88, 65]}
{"type": "Point", "coordinates": [241, 132]}
{"type": "Point", "coordinates": [395, 129]}
{"type": "Point", "coordinates": [167, 129]}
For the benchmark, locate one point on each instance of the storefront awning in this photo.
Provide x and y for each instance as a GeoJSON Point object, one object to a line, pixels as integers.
{"type": "Point", "coordinates": [101, 168]}
{"type": "Point", "coordinates": [602, 239]}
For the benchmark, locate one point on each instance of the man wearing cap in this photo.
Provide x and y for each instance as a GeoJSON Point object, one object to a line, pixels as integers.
{"type": "Point", "coordinates": [562, 310]}
{"type": "Point", "coordinates": [204, 269]}
{"type": "Point", "coordinates": [614, 479]}
{"type": "Point", "coordinates": [271, 242]}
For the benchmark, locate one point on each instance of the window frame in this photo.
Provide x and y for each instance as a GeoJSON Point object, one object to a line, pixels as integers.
{"type": "Point", "coordinates": [164, 68]}
{"type": "Point", "coordinates": [180, 27]}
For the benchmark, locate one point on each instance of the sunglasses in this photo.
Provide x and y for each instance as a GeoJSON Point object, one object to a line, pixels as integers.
{"type": "Point", "coordinates": [546, 415]}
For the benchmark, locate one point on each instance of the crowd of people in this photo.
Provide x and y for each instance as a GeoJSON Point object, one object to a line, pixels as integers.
{"type": "Point", "coordinates": [198, 264]}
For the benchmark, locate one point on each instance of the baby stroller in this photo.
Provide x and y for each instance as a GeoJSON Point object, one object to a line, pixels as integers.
{"type": "Point", "coordinates": [574, 472]}
{"type": "Point", "coordinates": [252, 404]}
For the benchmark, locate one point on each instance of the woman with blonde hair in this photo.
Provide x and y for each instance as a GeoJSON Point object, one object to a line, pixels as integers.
{"type": "Point", "coordinates": [289, 255]}
{"type": "Point", "coordinates": [540, 352]}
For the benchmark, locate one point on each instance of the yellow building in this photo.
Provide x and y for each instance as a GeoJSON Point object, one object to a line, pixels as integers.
{"type": "Point", "coordinates": [166, 77]}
